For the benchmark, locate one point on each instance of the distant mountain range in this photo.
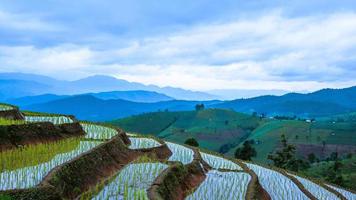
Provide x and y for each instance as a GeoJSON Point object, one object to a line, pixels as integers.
{"type": "Point", "coordinates": [40, 93]}
{"type": "Point", "coordinates": [134, 96]}
{"type": "Point", "coordinates": [15, 85]}
{"type": "Point", "coordinates": [88, 107]}
{"type": "Point", "coordinates": [107, 106]}
{"type": "Point", "coordinates": [320, 103]}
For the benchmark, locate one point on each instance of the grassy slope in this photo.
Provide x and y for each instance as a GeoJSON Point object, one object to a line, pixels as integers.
{"type": "Point", "coordinates": [348, 170]}
{"type": "Point", "coordinates": [336, 135]}
{"type": "Point", "coordinates": [211, 127]}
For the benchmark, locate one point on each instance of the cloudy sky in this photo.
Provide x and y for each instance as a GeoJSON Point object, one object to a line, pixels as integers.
{"type": "Point", "coordinates": [193, 44]}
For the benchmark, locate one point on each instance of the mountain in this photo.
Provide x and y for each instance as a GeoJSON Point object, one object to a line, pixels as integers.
{"type": "Point", "coordinates": [134, 95]}
{"type": "Point", "coordinates": [30, 77]}
{"type": "Point", "coordinates": [320, 103]}
{"type": "Point", "coordinates": [88, 107]}
{"type": "Point", "coordinates": [28, 100]}
{"type": "Point", "coordinates": [231, 94]}
{"type": "Point", "coordinates": [20, 88]}
{"type": "Point", "coordinates": [92, 84]}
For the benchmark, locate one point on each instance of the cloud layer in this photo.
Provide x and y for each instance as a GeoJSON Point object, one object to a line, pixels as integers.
{"type": "Point", "coordinates": [268, 50]}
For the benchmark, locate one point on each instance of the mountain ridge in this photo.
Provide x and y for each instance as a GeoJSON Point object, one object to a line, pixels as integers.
{"type": "Point", "coordinates": [96, 83]}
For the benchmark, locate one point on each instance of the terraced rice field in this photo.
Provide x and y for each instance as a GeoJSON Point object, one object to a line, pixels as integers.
{"type": "Point", "coordinates": [316, 190]}
{"type": "Point", "coordinates": [26, 167]}
{"type": "Point", "coordinates": [222, 185]}
{"type": "Point", "coordinates": [277, 185]}
{"type": "Point", "coordinates": [30, 176]}
{"type": "Point", "coordinates": [143, 143]}
{"type": "Point", "coordinates": [52, 119]}
{"type": "Point", "coordinates": [349, 195]}
{"type": "Point", "coordinates": [4, 107]}
{"type": "Point", "coordinates": [132, 182]}
{"type": "Point", "coordinates": [180, 153]}
{"type": "Point", "coordinates": [219, 162]}
{"type": "Point", "coordinates": [98, 132]}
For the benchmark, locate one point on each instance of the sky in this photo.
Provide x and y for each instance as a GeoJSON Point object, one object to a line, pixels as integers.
{"type": "Point", "coordinates": [298, 45]}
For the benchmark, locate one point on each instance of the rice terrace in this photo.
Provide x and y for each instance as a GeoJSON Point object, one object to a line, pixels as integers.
{"type": "Point", "coordinates": [177, 99]}
{"type": "Point", "coordinates": [48, 156]}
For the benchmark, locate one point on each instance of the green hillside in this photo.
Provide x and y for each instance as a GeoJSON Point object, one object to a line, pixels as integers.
{"type": "Point", "coordinates": [308, 137]}
{"type": "Point", "coordinates": [320, 171]}
{"type": "Point", "coordinates": [224, 130]}
{"type": "Point", "coordinates": [213, 128]}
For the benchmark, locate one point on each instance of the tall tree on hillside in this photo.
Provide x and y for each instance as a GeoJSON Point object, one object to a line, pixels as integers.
{"type": "Point", "coordinates": [286, 157]}
{"type": "Point", "coordinates": [199, 107]}
{"type": "Point", "coordinates": [246, 152]}
{"type": "Point", "coordinates": [191, 142]}
{"type": "Point", "coordinates": [333, 174]}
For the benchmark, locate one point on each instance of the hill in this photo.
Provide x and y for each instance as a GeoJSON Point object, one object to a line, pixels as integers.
{"type": "Point", "coordinates": [88, 107]}
{"type": "Point", "coordinates": [224, 130]}
{"type": "Point", "coordinates": [321, 138]}
{"type": "Point", "coordinates": [215, 129]}
{"type": "Point", "coordinates": [317, 104]}
{"type": "Point", "coordinates": [106, 162]}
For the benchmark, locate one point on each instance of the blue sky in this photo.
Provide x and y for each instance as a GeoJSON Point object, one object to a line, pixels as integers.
{"type": "Point", "coordinates": [199, 45]}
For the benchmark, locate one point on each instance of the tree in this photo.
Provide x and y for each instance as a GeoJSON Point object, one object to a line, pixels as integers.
{"type": "Point", "coordinates": [311, 157]}
{"type": "Point", "coordinates": [286, 157]}
{"type": "Point", "coordinates": [246, 152]}
{"type": "Point", "coordinates": [191, 142]}
{"type": "Point", "coordinates": [199, 107]}
{"type": "Point", "coordinates": [333, 174]}
{"type": "Point", "coordinates": [333, 156]}
{"type": "Point", "coordinates": [254, 114]}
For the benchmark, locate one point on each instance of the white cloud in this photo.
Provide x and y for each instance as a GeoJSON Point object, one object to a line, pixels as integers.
{"type": "Point", "coordinates": [63, 61]}
{"type": "Point", "coordinates": [25, 22]}
{"type": "Point", "coordinates": [267, 52]}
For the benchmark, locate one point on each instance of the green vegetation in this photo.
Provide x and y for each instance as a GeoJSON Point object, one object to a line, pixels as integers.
{"type": "Point", "coordinates": [285, 157]}
{"type": "Point", "coordinates": [4, 107]}
{"type": "Point", "coordinates": [42, 114]}
{"type": "Point", "coordinates": [341, 171]}
{"type": "Point", "coordinates": [4, 122]}
{"type": "Point", "coordinates": [31, 155]}
{"type": "Point", "coordinates": [246, 152]}
{"type": "Point", "coordinates": [192, 142]}
{"type": "Point", "coordinates": [320, 137]}
{"type": "Point", "coordinates": [215, 129]}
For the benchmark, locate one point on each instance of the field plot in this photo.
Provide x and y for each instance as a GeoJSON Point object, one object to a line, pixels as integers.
{"type": "Point", "coordinates": [345, 193]}
{"type": "Point", "coordinates": [132, 182]}
{"type": "Point", "coordinates": [316, 190]}
{"type": "Point", "coordinates": [30, 176]}
{"type": "Point", "coordinates": [180, 153]}
{"type": "Point", "coordinates": [222, 185]}
{"type": "Point", "coordinates": [98, 132]}
{"type": "Point", "coordinates": [277, 185]}
{"type": "Point", "coordinates": [52, 119]}
{"type": "Point", "coordinates": [31, 155]}
{"type": "Point", "coordinates": [219, 163]}
{"type": "Point", "coordinates": [143, 143]}
{"type": "Point", "coordinates": [4, 122]}
{"type": "Point", "coordinates": [4, 107]}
